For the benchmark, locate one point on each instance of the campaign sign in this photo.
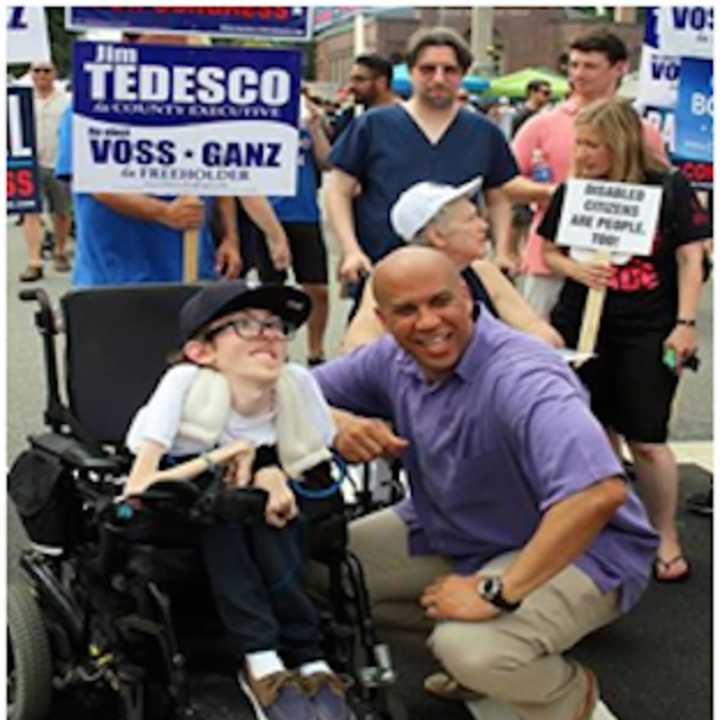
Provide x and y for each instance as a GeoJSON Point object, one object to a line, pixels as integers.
{"type": "Point", "coordinates": [27, 36]}
{"type": "Point", "coordinates": [658, 78]}
{"type": "Point", "coordinates": [694, 111]}
{"type": "Point", "coordinates": [178, 119]}
{"type": "Point", "coordinates": [619, 217]}
{"type": "Point", "coordinates": [686, 31]}
{"type": "Point", "coordinates": [22, 182]}
{"type": "Point", "coordinates": [276, 23]}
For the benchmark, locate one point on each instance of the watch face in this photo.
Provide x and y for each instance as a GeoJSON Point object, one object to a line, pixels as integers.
{"type": "Point", "coordinates": [490, 588]}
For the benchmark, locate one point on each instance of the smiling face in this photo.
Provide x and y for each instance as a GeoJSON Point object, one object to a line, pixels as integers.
{"type": "Point", "coordinates": [424, 304]}
{"type": "Point", "coordinates": [591, 154]}
{"type": "Point", "coordinates": [436, 76]}
{"type": "Point", "coordinates": [249, 351]}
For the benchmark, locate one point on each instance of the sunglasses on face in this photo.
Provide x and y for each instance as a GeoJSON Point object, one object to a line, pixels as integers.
{"type": "Point", "coordinates": [42, 70]}
{"type": "Point", "coordinates": [249, 328]}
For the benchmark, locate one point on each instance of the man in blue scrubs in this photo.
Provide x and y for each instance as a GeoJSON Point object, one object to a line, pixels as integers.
{"type": "Point", "coordinates": [429, 137]}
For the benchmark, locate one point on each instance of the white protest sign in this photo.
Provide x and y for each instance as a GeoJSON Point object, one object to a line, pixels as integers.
{"type": "Point", "coordinates": [686, 31]}
{"type": "Point", "coordinates": [618, 217]}
{"type": "Point", "coordinates": [173, 120]}
{"type": "Point", "coordinates": [27, 36]}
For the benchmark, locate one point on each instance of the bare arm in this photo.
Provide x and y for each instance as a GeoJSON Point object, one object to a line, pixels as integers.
{"type": "Point", "coordinates": [524, 190]}
{"type": "Point", "coordinates": [341, 188]}
{"type": "Point", "coordinates": [565, 531]}
{"type": "Point", "coordinates": [683, 338]}
{"type": "Point", "coordinates": [320, 142]}
{"type": "Point", "coordinates": [185, 212]}
{"type": "Point", "coordinates": [593, 274]}
{"type": "Point", "coordinates": [512, 307]}
{"type": "Point", "coordinates": [262, 214]}
{"type": "Point", "coordinates": [500, 217]}
{"type": "Point", "coordinates": [365, 325]}
{"type": "Point", "coordinates": [228, 262]}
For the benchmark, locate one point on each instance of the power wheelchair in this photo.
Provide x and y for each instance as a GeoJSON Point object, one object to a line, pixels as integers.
{"type": "Point", "coordinates": [115, 612]}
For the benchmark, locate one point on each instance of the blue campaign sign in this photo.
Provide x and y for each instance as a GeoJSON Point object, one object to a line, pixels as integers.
{"type": "Point", "coordinates": [22, 181]}
{"type": "Point", "coordinates": [694, 111]}
{"type": "Point", "coordinates": [182, 119]}
{"type": "Point", "coordinates": [276, 23]}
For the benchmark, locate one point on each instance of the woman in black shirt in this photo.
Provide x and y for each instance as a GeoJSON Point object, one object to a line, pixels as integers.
{"type": "Point", "coordinates": [649, 311]}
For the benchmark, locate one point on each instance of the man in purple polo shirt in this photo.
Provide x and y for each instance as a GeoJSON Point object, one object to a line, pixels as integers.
{"type": "Point", "coordinates": [521, 535]}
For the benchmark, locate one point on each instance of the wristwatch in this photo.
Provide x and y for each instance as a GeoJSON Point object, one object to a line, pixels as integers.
{"type": "Point", "coordinates": [490, 589]}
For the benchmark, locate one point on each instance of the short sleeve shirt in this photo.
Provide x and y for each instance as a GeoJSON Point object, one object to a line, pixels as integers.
{"type": "Point", "coordinates": [388, 152]}
{"type": "Point", "coordinates": [643, 291]}
{"type": "Point", "coordinates": [492, 447]}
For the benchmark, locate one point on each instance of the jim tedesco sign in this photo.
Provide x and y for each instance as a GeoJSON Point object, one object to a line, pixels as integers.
{"type": "Point", "coordinates": [618, 217]}
{"type": "Point", "coordinates": [175, 120]}
{"type": "Point", "coordinates": [21, 173]}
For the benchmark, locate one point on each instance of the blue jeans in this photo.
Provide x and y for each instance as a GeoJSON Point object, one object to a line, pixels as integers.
{"type": "Point", "coordinates": [255, 572]}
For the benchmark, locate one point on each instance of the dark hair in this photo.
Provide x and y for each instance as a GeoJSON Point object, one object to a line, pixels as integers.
{"type": "Point", "coordinates": [535, 85]}
{"type": "Point", "coordinates": [377, 64]}
{"type": "Point", "coordinates": [603, 42]}
{"type": "Point", "coordinates": [429, 37]}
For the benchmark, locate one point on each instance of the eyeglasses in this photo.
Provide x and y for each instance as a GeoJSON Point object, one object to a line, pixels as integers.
{"type": "Point", "coordinates": [429, 69]}
{"type": "Point", "coordinates": [42, 70]}
{"type": "Point", "coordinates": [250, 328]}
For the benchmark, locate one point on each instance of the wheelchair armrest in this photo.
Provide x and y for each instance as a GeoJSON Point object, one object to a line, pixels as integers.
{"type": "Point", "coordinates": [73, 452]}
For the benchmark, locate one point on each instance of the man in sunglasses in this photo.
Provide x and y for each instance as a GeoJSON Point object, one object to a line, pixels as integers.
{"type": "Point", "coordinates": [537, 96]}
{"type": "Point", "coordinates": [428, 137]}
{"type": "Point", "coordinates": [50, 103]}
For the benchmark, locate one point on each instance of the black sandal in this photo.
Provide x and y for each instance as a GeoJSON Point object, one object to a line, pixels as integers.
{"type": "Point", "coordinates": [660, 564]}
{"type": "Point", "coordinates": [32, 274]}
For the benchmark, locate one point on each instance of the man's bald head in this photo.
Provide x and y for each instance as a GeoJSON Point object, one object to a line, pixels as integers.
{"type": "Point", "coordinates": [410, 265]}
{"type": "Point", "coordinates": [426, 306]}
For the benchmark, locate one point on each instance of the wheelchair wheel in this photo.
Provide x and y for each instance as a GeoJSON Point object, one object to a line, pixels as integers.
{"type": "Point", "coordinates": [29, 668]}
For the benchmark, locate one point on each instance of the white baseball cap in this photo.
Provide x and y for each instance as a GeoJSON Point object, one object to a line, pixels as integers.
{"type": "Point", "coordinates": [419, 204]}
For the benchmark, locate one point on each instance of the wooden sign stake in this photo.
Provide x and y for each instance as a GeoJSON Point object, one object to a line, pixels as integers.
{"type": "Point", "coordinates": [190, 253]}
{"type": "Point", "coordinates": [592, 313]}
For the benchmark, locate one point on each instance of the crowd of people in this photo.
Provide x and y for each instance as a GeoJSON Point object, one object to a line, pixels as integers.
{"type": "Point", "coordinates": [521, 533]}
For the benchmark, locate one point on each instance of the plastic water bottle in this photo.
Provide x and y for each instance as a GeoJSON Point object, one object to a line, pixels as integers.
{"type": "Point", "coordinates": [541, 170]}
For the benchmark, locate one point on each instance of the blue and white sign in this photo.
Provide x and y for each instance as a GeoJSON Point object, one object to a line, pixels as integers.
{"type": "Point", "coordinates": [658, 78]}
{"type": "Point", "coordinates": [27, 36]}
{"type": "Point", "coordinates": [695, 109]}
{"type": "Point", "coordinates": [686, 31]}
{"type": "Point", "coordinates": [276, 23]}
{"type": "Point", "coordinates": [21, 173]}
{"type": "Point", "coordinates": [178, 119]}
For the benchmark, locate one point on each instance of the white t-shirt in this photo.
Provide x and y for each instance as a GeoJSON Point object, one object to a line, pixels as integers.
{"type": "Point", "coordinates": [159, 419]}
{"type": "Point", "coordinates": [48, 112]}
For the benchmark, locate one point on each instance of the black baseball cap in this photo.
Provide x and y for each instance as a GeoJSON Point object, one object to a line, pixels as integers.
{"type": "Point", "coordinates": [223, 297]}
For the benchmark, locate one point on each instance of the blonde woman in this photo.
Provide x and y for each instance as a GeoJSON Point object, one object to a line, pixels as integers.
{"type": "Point", "coordinates": [650, 308]}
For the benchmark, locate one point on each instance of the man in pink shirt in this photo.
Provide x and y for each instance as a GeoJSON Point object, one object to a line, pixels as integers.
{"type": "Point", "coordinates": [597, 64]}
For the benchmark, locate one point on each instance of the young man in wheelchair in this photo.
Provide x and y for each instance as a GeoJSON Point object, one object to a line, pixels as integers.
{"type": "Point", "coordinates": [232, 382]}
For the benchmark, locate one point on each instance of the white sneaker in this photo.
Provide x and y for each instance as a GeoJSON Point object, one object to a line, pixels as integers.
{"type": "Point", "coordinates": [489, 709]}
{"type": "Point", "coordinates": [602, 712]}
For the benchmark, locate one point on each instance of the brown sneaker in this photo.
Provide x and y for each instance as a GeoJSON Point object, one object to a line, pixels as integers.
{"type": "Point", "coordinates": [441, 685]}
{"type": "Point", "coordinates": [327, 693]}
{"type": "Point", "coordinates": [61, 263]}
{"type": "Point", "coordinates": [32, 273]}
{"type": "Point", "coordinates": [277, 696]}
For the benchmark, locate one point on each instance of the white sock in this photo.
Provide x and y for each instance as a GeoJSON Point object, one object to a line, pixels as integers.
{"type": "Point", "coordinates": [315, 666]}
{"type": "Point", "coordinates": [263, 663]}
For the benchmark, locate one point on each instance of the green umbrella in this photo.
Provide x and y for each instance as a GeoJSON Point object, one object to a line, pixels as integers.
{"type": "Point", "coordinates": [514, 84]}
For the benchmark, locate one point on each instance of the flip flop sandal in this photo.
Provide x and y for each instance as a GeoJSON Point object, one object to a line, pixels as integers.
{"type": "Point", "coordinates": [660, 564]}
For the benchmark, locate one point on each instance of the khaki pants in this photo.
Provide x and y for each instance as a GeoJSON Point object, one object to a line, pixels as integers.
{"type": "Point", "coordinates": [516, 657]}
